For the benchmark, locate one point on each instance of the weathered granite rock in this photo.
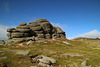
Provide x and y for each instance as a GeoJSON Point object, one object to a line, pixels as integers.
{"type": "Point", "coordinates": [40, 29]}
{"type": "Point", "coordinates": [43, 60]}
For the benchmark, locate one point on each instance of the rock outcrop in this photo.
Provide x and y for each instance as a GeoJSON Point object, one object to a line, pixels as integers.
{"type": "Point", "coordinates": [40, 29]}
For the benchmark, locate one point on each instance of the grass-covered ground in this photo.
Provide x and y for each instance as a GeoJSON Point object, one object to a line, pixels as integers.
{"type": "Point", "coordinates": [66, 55]}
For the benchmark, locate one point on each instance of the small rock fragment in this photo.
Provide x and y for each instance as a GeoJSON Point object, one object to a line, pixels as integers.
{"type": "Point", "coordinates": [29, 42]}
{"type": "Point", "coordinates": [23, 52]}
{"type": "Point", "coordinates": [66, 43]}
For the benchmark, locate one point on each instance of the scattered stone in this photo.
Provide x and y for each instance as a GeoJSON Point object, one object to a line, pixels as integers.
{"type": "Point", "coordinates": [42, 64]}
{"type": "Point", "coordinates": [21, 44]}
{"type": "Point", "coordinates": [12, 50]}
{"type": "Point", "coordinates": [83, 64]}
{"type": "Point", "coordinates": [66, 43]}
{"type": "Point", "coordinates": [48, 58]}
{"type": "Point", "coordinates": [29, 42]}
{"type": "Point", "coordinates": [53, 39]}
{"type": "Point", "coordinates": [2, 51]}
{"type": "Point", "coordinates": [73, 55]}
{"type": "Point", "coordinates": [44, 60]}
{"type": "Point", "coordinates": [45, 42]}
{"type": "Point", "coordinates": [8, 51]}
{"type": "Point", "coordinates": [33, 66]}
{"type": "Point", "coordinates": [3, 57]}
{"type": "Point", "coordinates": [23, 52]}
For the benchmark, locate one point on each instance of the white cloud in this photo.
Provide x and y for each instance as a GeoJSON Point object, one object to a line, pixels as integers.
{"type": "Point", "coordinates": [3, 31]}
{"type": "Point", "coordinates": [91, 34]}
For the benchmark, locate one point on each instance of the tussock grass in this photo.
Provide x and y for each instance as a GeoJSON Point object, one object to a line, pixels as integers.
{"type": "Point", "coordinates": [56, 49]}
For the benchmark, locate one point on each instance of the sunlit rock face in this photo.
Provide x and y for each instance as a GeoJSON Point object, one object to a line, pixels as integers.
{"type": "Point", "coordinates": [40, 29]}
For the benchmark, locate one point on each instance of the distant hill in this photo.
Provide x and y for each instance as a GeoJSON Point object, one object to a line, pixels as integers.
{"type": "Point", "coordinates": [84, 38]}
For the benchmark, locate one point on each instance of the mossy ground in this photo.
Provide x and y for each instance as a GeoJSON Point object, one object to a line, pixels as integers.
{"type": "Point", "coordinates": [56, 49]}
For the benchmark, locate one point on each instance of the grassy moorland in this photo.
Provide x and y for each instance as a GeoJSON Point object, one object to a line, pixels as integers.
{"type": "Point", "coordinates": [66, 55]}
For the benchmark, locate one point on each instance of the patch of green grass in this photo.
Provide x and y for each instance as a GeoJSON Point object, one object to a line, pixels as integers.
{"type": "Point", "coordinates": [56, 50]}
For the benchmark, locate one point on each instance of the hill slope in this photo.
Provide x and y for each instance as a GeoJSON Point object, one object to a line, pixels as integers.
{"type": "Point", "coordinates": [67, 53]}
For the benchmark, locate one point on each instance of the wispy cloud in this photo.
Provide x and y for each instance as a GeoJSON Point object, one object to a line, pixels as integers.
{"type": "Point", "coordinates": [91, 34]}
{"type": "Point", "coordinates": [62, 26]}
{"type": "Point", "coordinates": [6, 6]}
{"type": "Point", "coordinates": [3, 31]}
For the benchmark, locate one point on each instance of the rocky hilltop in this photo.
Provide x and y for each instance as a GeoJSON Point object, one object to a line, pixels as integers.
{"type": "Point", "coordinates": [39, 44]}
{"type": "Point", "coordinates": [40, 29]}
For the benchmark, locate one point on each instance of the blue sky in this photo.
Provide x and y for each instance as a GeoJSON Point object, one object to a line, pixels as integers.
{"type": "Point", "coordinates": [76, 17]}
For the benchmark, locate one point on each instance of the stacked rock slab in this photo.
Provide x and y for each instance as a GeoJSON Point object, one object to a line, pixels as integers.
{"type": "Point", "coordinates": [47, 27]}
{"type": "Point", "coordinates": [23, 30]}
{"type": "Point", "coordinates": [40, 29]}
{"type": "Point", "coordinates": [37, 30]}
